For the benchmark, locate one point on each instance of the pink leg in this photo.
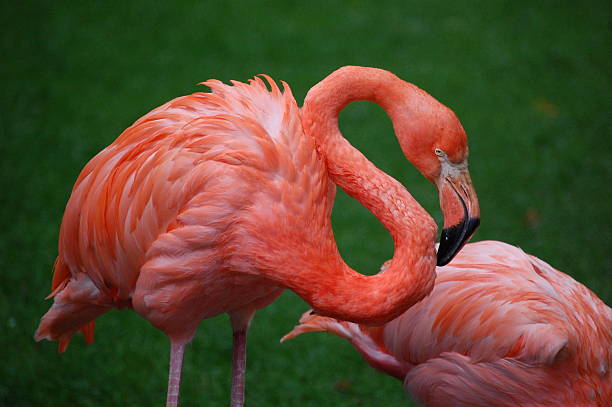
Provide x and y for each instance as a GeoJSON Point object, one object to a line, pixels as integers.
{"type": "Point", "coordinates": [240, 326]}
{"type": "Point", "coordinates": [174, 376]}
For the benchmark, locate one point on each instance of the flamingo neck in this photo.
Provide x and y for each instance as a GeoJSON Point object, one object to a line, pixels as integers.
{"type": "Point", "coordinates": [350, 295]}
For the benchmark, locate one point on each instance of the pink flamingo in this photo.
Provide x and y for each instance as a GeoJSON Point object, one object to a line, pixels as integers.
{"type": "Point", "coordinates": [215, 202]}
{"type": "Point", "coordinates": [500, 328]}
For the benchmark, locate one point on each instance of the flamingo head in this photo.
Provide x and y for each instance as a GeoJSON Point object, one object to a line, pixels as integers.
{"type": "Point", "coordinates": [433, 139]}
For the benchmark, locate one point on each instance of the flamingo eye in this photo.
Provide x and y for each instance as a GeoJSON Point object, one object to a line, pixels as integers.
{"type": "Point", "coordinates": [439, 152]}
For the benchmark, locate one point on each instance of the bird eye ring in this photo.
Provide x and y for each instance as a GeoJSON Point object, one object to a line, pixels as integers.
{"type": "Point", "coordinates": [439, 152]}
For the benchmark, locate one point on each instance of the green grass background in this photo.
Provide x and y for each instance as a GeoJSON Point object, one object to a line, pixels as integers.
{"type": "Point", "coordinates": [530, 81]}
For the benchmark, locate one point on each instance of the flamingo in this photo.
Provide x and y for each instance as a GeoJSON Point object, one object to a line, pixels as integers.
{"type": "Point", "coordinates": [216, 202]}
{"type": "Point", "coordinates": [500, 328]}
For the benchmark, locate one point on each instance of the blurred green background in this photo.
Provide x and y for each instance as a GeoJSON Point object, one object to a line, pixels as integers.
{"type": "Point", "coordinates": [529, 80]}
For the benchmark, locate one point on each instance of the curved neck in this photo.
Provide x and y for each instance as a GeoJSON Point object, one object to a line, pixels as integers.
{"type": "Point", "coordinates": [350, 295]}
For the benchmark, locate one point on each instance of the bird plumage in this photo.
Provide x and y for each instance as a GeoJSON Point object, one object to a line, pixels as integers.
{"type": "Point", "coordinates": [500, 327]}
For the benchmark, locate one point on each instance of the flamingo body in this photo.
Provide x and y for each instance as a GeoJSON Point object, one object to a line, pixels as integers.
{"type": "Point", "coordinates": [500, 328]}
{"type": "Point", "coordinates": [152, 223]}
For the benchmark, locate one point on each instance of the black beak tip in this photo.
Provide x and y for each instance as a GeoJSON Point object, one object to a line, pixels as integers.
{"type": "Point", "coordinates": [454, 238]}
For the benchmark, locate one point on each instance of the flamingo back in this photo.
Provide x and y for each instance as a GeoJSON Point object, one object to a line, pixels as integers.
{"type": "Point", "coordinates": [494, 313]}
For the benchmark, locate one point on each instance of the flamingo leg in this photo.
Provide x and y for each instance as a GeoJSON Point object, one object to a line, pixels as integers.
{"type": "Point", "coordinates": [240, 326]}
{"type": "Point", "coordinates": [177, 349]}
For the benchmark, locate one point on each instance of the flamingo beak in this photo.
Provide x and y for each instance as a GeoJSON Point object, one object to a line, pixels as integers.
{"type": "Point", "coordinates": [459, 205]}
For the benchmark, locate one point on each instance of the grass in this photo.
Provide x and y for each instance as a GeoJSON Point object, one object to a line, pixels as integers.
{"type": "Point", "coordinates": [530, 82]}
